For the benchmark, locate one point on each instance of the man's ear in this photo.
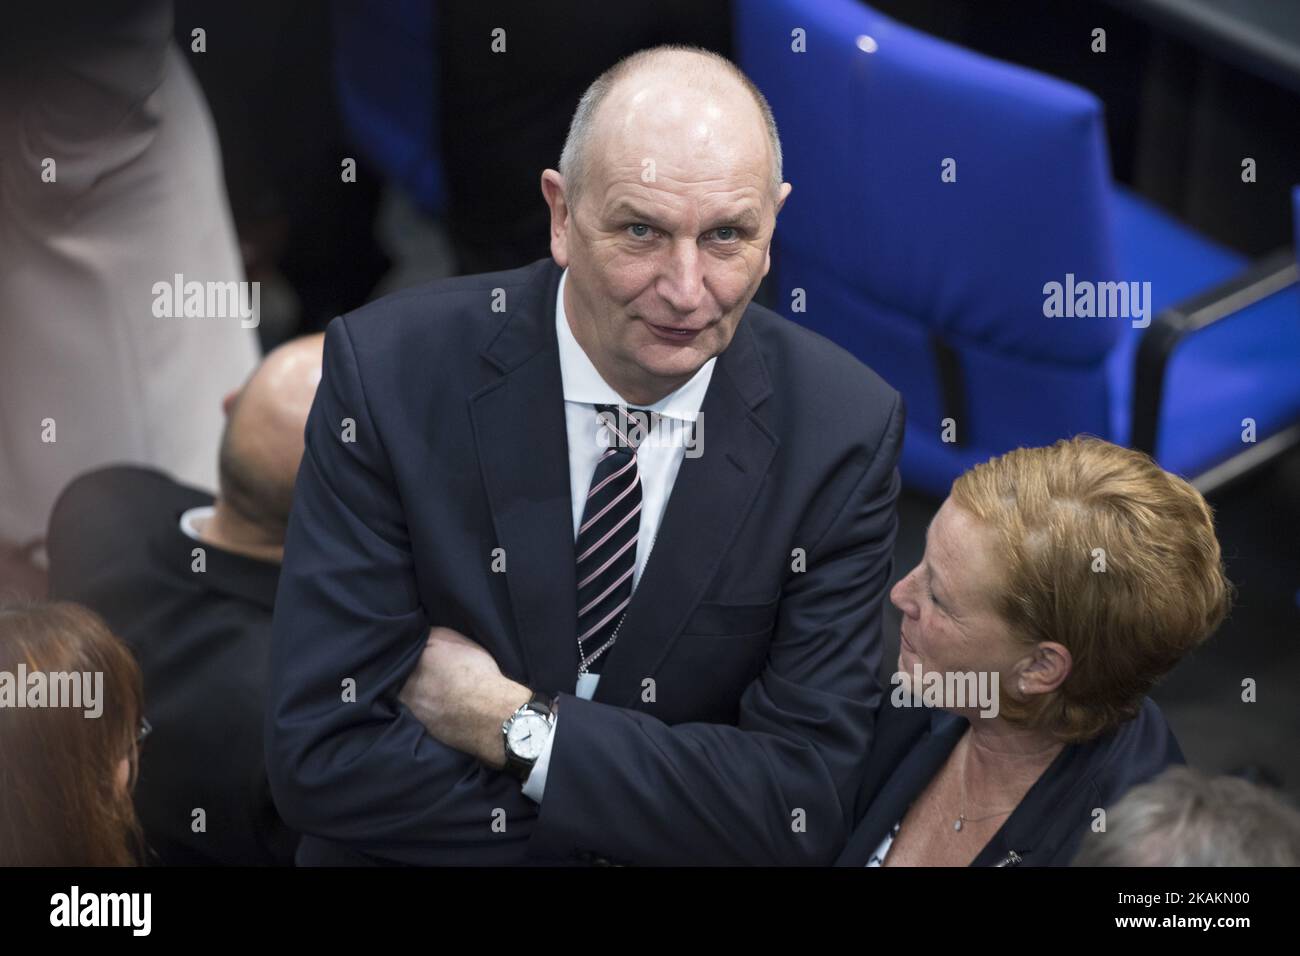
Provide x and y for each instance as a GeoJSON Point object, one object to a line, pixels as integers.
{"type": "Point", "coordinates": [228, 402]}
{"type": "Point", "coordinates": [786, 189]}
{"type": "Point", "coordinates": [553, 193]}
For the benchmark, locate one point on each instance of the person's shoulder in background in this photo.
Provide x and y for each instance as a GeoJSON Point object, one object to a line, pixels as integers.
{"type": "Point", "coordinates": [107, 516]}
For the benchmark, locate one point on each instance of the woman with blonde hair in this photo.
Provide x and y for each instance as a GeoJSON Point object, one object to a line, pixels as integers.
{"type": "Point", "coordinates": [1069, 579]}
{"type": "Point", "coordinates": [67, 772]}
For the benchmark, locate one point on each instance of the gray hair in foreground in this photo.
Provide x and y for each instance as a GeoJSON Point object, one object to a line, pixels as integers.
{"type": "Point", "coordinates": [1184, 818]}
{"type": "Point", "coordinates": [575, 158]}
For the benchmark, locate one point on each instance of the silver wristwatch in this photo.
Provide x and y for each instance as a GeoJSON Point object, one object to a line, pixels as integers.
{"type": "Point", "coordinates": [526, 732]}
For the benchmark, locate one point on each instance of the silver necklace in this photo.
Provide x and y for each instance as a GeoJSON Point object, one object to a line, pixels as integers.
{"type": "Point", "coordinates": [962, 819]}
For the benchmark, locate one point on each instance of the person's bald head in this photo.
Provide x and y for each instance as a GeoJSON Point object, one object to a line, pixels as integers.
{"type": "Point", "coordinates": [663, 212]}
{"type": "Point", "coordinates": [653, 85]}
{"type": "Point", "coordinates": [262, 444]}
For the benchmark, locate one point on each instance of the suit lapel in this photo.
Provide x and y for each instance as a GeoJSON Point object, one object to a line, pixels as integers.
{"type": "Point", "coordinates": [521, 439]}
{"type": "Point", "coordinates": [523, 454]}
{"type": "Point", "coordinates": [710, 498]}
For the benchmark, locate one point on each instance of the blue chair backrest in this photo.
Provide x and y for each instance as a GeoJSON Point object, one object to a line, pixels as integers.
{"type": "Point", "coordinates": [892, 257]}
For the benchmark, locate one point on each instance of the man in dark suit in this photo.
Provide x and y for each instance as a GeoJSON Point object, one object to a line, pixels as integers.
{"type": "Point", "coordinates": [189, 583]}
{"type": "Point", "coordinates": [471, 464]}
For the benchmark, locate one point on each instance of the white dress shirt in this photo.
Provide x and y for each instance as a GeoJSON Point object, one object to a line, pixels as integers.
{"type": "Point", "coordinates": [659, 456]}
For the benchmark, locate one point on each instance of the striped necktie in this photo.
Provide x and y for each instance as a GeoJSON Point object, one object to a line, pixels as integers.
{"type": "Point", "coordinates": [607, 536]}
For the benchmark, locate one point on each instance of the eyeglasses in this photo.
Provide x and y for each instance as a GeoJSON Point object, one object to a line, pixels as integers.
{"type": "Point", "coordinates": [146, 729]}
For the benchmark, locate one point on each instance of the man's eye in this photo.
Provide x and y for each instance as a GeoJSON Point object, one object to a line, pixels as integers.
{"type": "Point", "coordinates": [640, 230]}
{"type": "Point", "coordinates": [731, 233]}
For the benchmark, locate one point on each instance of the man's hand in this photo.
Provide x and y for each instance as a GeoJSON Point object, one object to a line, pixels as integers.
{"type": "Point", "coordinates": [462, 698]}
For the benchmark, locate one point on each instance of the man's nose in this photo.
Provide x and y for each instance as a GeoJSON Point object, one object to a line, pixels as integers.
{"type": "Point", "coordinates": [682, 286]}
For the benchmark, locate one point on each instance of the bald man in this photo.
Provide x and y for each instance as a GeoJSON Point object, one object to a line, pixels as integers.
{"type": "Point", "coordinates": [189, 583]}
{"type": "Point", "coordinates": [586, 558]}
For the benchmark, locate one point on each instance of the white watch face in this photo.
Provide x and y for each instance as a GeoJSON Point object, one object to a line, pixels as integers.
{"type": "Point", "coordinates": [527, 735]}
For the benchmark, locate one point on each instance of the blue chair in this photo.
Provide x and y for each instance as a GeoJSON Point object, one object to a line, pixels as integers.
{"type": "Point", "coordinates": [941, 286]}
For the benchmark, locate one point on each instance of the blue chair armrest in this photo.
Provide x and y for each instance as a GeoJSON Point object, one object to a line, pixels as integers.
{"type": "Point", "coordinates": [1266, 277]}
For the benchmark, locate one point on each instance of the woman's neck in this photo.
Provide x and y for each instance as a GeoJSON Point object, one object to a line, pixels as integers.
{"type": "Point", "coordinates": [1002, 759]}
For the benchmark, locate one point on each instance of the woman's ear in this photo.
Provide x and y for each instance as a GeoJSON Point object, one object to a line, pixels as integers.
{"type": "Point", "coordinates": [1047, 668]}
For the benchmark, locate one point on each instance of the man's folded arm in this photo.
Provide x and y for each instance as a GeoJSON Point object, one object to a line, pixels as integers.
{"type": "Point", "coordinates": [778, 788]}
{"type": "Point", "coordinates": [346, 761]}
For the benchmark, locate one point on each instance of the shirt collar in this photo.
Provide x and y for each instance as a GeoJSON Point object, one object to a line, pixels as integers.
{"type": "Point", "coordinates": [582, 383]}
{"type": "Point", "coordinates": [190, 520]}
{"type": "Point", "coordinates": [238, 575]}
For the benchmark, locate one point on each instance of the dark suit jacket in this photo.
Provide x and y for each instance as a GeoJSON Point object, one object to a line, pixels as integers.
{"type": "Point", "coordinates": [201, 640]}
{"type": "Point", "coordinates": [912, 745]}
{"type": "Point", "coordinates": [754, 742]}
